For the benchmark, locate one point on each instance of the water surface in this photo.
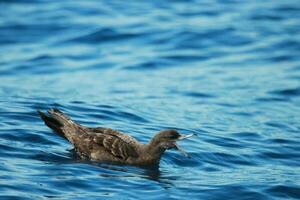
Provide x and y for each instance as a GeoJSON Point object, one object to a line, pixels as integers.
{"type": "Point", "coordinates": [228, 71]}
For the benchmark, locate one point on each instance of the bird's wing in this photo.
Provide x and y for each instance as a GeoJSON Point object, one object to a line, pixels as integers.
{"type": "Point", "coordinates": [114, 142]}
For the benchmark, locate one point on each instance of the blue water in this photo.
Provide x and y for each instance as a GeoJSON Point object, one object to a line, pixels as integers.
{"type": "Point", "coordinates": [228, 71]}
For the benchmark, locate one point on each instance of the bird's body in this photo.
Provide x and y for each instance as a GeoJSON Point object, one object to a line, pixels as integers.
{"type": "Point", "coordinates": [108, 145]}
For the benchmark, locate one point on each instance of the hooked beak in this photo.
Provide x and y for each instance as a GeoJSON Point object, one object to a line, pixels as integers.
{"type": "Point", "coordinates": [181, 137]}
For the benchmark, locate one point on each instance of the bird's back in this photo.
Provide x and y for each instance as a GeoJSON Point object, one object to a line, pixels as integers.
{"type": "Point", "coordinates": [100, 144]}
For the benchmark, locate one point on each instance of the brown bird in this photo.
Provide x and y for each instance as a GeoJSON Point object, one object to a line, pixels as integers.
{"type": "Point", "coordinates": [108, 145]}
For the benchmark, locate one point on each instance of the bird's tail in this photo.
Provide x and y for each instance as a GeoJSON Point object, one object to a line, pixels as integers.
{"type": "Point", "coordinates": [58, 122]}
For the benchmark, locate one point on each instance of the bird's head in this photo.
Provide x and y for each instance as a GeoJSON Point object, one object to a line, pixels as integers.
{"type": "Point", "coordinates": [167, 139]}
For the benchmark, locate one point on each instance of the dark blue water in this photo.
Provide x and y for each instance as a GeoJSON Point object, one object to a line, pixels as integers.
{"type": "Point", "coordinates": [228, 71]}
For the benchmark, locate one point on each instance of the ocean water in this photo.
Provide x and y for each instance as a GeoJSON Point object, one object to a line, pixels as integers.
{"type": "Point", "coordinates": [228, 71]}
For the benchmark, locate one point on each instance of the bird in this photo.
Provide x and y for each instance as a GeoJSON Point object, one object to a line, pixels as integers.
{"type": "Point", "coordinates": [111, 146]}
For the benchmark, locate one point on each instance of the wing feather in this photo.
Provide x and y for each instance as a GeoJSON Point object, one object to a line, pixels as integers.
{"type": "Point", "coordinates": [114, 142]}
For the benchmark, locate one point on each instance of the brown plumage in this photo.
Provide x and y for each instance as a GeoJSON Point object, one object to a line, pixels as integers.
{"type": "Point", "coordinates": [108, 145]}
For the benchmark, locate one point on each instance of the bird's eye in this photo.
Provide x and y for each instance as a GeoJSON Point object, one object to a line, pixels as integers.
{"type": "Point", "coordinates": [172, 137]}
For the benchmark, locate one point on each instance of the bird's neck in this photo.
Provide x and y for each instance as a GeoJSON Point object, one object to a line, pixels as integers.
{"type": "Point", "coordinates": [153, 150]}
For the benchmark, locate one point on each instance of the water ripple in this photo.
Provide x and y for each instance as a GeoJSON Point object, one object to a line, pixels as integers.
{"type": "Point", "coordinates": [224, 70]}
{"type": "Point", "coordinates": [104, 35]}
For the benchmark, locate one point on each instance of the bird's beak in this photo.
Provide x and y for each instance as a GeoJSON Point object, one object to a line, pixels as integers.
{"type": "Point", "coordinates": [181, 137]}
{"type": "Point", "coordinates": [181, 150]}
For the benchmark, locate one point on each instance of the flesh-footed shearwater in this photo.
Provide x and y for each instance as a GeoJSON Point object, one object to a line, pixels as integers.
{"type": "Point", "coordinates": [108, 145]}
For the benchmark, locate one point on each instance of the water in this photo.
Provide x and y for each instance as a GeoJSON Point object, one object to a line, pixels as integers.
{"type": "Point", "coordinates": [228, 71]}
